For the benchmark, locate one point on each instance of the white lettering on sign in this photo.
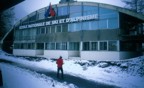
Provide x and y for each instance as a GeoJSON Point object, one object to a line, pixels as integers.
{"type": "Point", "coordinates": [60, 21]}
{"type": "Point", "coordinates": [48, 23]}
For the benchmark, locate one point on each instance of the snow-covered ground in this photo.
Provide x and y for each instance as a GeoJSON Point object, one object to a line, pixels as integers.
{"type": "Point", "coordinates": [124, 74]}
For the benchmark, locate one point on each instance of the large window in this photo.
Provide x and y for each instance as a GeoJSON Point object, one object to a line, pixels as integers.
{"type": "Point", "coordinates": [94, 46]}
{"type": "Point", "coordinates": [64, 45]}
{"type": "Point", "coordinates": [33, 16]}
{"type": "Point", "coordinates": [24, 46]}
{"type": "Point", "coordinates": [56, 46]}
{"type": "Point", "coordinates": [74, 46]}
{"type": "Point", "coordinates": [41, 14]}
{"type": "Point", "coordinates": [48, 29]}
{"type": "Point", "coordinates": [58, 28]}
{"type": "Point", "coordinates": [50, 46]}
{"type": "Point", "coordinates": [53, 29]}
{"type": "Point", "coordinates": [62, 11]}
{"type": "Point", "coordinates": [112, 45]}
{"type": "Point", "coordinates": [64, 27]}
{"type": "Point", "coordinates": [90, 25]}
{"type": "Point", "coordinates": [113, 23]}
{"type": "Point", "coordinates": [75, 10]}
{"type": "Point", "coordinates": [108, 19]}
{"type": "Point", "coordinates": [41, 30]}
{"type": "Point", "coordinates": [86, 45]}
{"type": "Point", "coordinates": [103, 24]}
{"type": "Point", "coordinates": [40, 46]}
{"type": "Point", "coordinates": [61, 46]}
{"type": "Point", "coordinates": [74, 27]}
{"type": "Point", "coordinates": [88, 10]}
{"type": "Point", "coordinates": [103, 45]}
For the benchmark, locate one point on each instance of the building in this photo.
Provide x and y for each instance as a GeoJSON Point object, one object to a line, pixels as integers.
{"type": "Point", "coordinates": [84, 30]}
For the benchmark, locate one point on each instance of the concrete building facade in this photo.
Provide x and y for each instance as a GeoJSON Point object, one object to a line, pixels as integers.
{"type": "Point", "coordinates": [84, 30]}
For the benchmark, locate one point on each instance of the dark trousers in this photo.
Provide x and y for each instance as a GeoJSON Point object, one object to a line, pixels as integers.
{"type": "Point", "coordinates": [58, 71]}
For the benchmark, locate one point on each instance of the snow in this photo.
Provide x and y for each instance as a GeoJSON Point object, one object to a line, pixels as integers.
{"type": "Point", "coordinates": [124, 74]}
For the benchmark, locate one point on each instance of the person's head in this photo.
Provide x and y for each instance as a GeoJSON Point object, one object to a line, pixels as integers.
{"type": "Point", "coordinates": [60, 57]}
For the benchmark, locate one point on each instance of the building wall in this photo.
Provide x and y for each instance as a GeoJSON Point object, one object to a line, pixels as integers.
{"type": "Point", "coordinates": [24, 52]}
{"type": "Point", "coordinates": [100, 55]}
{"type": "Point", "coordinates": [99, 35]}
{"type": "Point", "coordinates": [55, 54]}
{"type": "Point", "coordinates": [126, 55]}
{"type": "Point", "coordinates": [108, 55]}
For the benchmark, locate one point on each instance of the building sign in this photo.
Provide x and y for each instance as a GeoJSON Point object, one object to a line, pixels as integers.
{"type": "Point", "coordinates": [60, 21]}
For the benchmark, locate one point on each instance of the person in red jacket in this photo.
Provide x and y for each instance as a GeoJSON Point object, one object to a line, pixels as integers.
{"type": "Point", "coordinates": [59, 63]}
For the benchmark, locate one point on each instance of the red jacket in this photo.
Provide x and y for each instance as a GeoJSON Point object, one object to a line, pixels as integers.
{"type": "Point", "coordinates": [59, 62]}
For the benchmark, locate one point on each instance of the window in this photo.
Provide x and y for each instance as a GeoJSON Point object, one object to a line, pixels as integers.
{"type": "Point", "coordinates": [103, 45]}
{"type": "Point", "coordinates": [112, 45]}
{"type": "Point", "coordinates": [41, 14]}
{"type": "Point", "coordinates": [113, 23]}
{"type": "Point", "coordinates": [74, 46]}
{"type": "Point", "coordinates": [40, 46]}
{"type": "Point", "coordinates": [90, 25]}
{"type": "Point", "coordinates": [30, 46]}
{"type": "Point", "coordinates": [103, 24]}
{"type": "Point", "coordinates": [32, 33]}
{"type": "Point", "coordinates": [58, 46]}
{"type": "Point", "coordinates": [61, 46]}
{"type": "Point", "coordinates": [33, 17]}
{"type": "Point", "coordinates": [65, 28]}
{"type": "Point", "coordinates": [74, 27]}
{"type": "Point", "coordinates": [62, 11]}
{"type": "Point", "coordinates": [88, 10]}
{"type": "Point", "coordinates": [47, 46]}
{"type": "Point", "coordinates": [86, 46]}
{"type": "Point", "coordinates": [94, 46]}
{"type": "Point", "coordinates": [50, 46]}
{"type": "Point", "coordinates": [53, 29]}
{"type": "Point", "coordinates": [64, 45]}
{"type": "Point", "coordinates": [53, 46]}
{"type": "Point", "coordinates": [58, 28]}
{"type": "Point", "coordinates": [41, 30]}
{"type": "Point", "coordinates": [17, 46]}
{"type": "Point", "coordinates": [48, 29]}
{"type": "Point", "coordinates": [75, 8]}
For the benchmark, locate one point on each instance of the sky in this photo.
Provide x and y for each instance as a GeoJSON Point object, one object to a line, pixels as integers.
{"type": "Point", "coordinates": [28, 6]}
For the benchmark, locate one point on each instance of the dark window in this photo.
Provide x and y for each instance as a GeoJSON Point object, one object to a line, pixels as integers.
{"type": "Point", "coordinates": [112, 46]}
{"type": "Point", "coordinates": [40, 46]}
{"type": "Point", "coordinates": [74, 46]}
{"type": "Point", "coordinates": [86, 46]}
{"type": "Point", "coordinates": [58, 46]}
{"type": "Point", "coordinates": [53, 29]}
{"type": "Point", "coordinates": [65, 28]}
{"type": "Point", "coordinates": [103, 45]}
{"type": "Point", "coordinates": [48, 29]}
{"type": "Point", "coordinates": [58, 28]}
{"type": "Point", "coordinates": [94, 46]}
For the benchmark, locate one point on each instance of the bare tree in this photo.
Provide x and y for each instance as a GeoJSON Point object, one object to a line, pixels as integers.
{"type": "Point", "coordinates": [135, 5]}
{"type": "Point", "coordinates": [6, 21]}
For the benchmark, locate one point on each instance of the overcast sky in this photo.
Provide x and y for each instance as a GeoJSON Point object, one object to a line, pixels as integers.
{"type": "Point", "coordinates": [28, 6]}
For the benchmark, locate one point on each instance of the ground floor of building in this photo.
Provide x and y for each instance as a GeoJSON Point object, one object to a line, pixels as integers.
{"type": "Point", "coordinates": [90, 50]}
